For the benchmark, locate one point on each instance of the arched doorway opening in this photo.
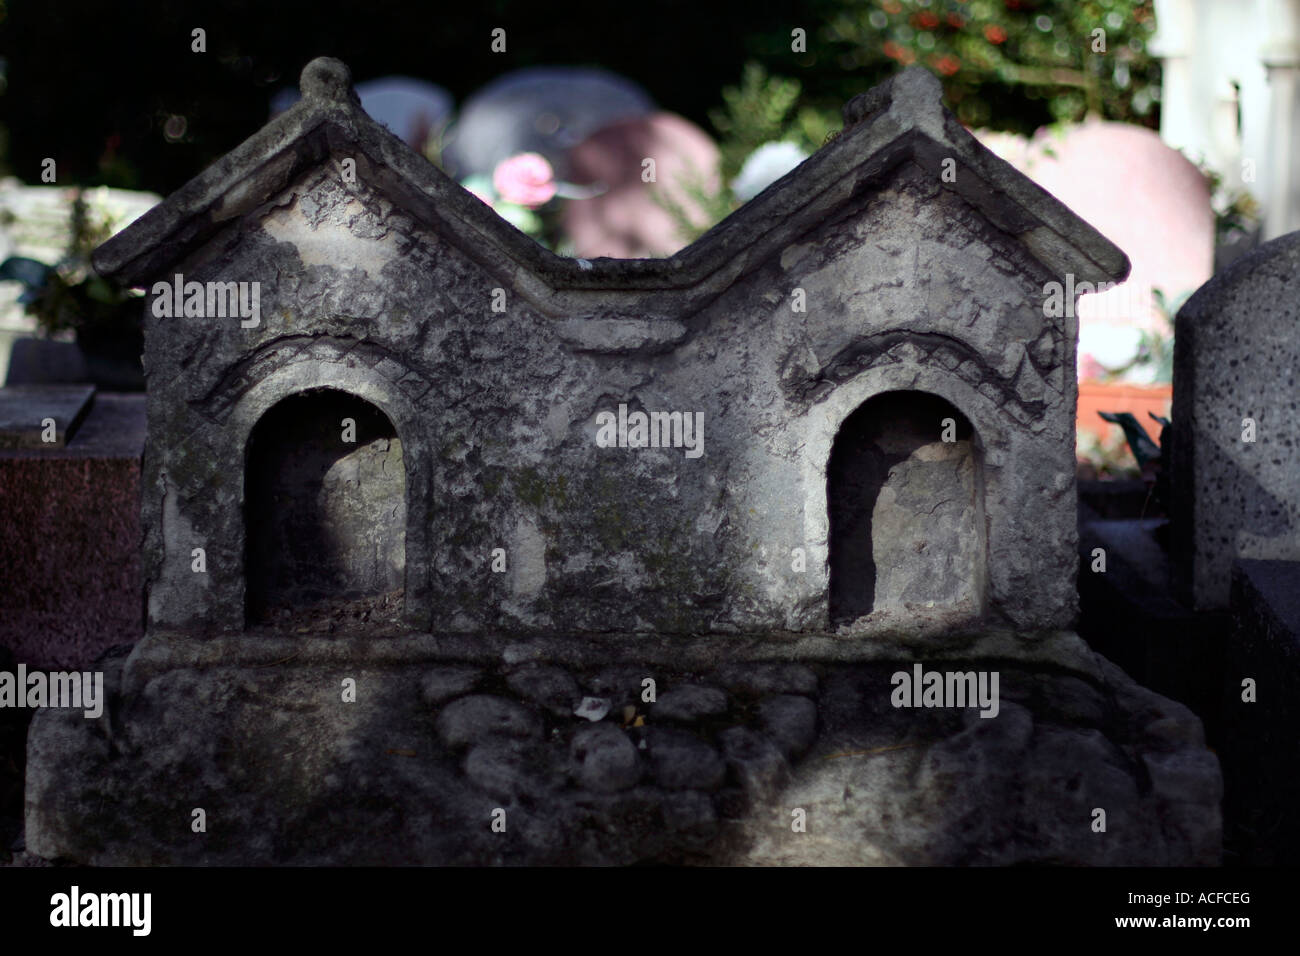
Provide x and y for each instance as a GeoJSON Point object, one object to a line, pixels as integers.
{"type": "Point", "coordinates": [324, 508]}
{"type": "Point", "coordinates": [906, 508]}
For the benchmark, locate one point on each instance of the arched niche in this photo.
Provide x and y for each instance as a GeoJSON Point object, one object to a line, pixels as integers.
{"type": "Point", "coordinates": [905, 506]}
{"type": "Point", "coordinates": [324, 505]}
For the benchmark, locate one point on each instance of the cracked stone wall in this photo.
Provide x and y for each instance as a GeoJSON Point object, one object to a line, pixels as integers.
{"type": "Point", "coordinates": [907, 288]}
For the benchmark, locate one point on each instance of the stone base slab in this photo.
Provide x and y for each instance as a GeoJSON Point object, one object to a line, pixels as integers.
{"type": "Point", "coordinates": [736, 761]}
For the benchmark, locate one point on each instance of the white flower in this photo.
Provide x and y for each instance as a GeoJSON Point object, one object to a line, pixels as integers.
{"type": "Point", "coordinates": [765, 166]}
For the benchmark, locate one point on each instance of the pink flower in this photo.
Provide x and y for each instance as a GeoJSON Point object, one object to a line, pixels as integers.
{"type": "Point", "coordinates": [526, 179]}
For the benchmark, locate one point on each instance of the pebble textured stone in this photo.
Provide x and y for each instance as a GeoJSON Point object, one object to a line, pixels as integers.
{"type": "Point", "coordinates": [696, 777]}
{"type": "Point", "coordinates": [769, 678]}
{"type": "Point", "coordinates": [1234, 494]}
{"type": "Point", "coordinates": [757, 762]}
{"type": "Point", "coordinates": [690, 703]}
{"type": "Point", "coordinates": [684, 762]}
{"type": "Point", "coordinates": [500, 767]}
{"type": "Point", "coordinates": [550, 687]}
{"type": "Point", "coordinates": [604, 758]}
{"type": "Point", "coordinates": [790, 721]}
{"type": "Point", "coordinates": [444, 683]}
{"type": "Point", "coordinates": [470, 719]}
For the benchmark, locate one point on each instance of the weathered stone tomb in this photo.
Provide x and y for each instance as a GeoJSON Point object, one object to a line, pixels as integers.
{"type": "Point", "coordinates": [825, 331]}
{"type": "Point", "coordinates": [833, 436]}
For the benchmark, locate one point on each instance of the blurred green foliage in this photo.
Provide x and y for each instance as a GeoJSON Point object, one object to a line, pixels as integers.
{"type": "Point", "coordinates": [1014, 65]}
{"type": "Point", "coordinates": [765, 109]}
{"type": "Point", "coordinates": [1008, 64]}
{"type": "Point", "coordinates": [1236, 211]}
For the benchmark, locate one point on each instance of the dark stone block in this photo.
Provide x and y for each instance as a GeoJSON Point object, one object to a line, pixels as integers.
{"type": "Point", "coordinates": [1258, 750]}
{"type": "Point", "coordinates": [70, 540]}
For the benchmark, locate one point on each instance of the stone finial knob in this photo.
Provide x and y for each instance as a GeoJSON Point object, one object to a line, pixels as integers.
{"type": "Point", "coordinates": [326, 78]}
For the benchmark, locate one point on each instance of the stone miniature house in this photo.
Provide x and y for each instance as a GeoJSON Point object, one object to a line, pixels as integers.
{"type": "Point", "coordinates": [862, 402]}
{"type": "Point", "coordinates": [885, 395]}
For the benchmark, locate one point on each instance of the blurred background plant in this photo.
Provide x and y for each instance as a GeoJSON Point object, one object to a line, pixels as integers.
{"type": "Point", "coordinates": [1236, 211]}
{"type": "Point", "coordinates": [68, 300]}
{"type": "Point", "coordinates": [69, 295]}
{"type": "Point", "coordinates": [1008, 65]}
{"type": "Point", "coordinates": [763, 133]}
{"type": "Point", "coordinates": [764, 109]}
{"type": "Point", "coordinates": [1012, 65]}
{"type": "Point", "coordinates": [524, 192]}
{"type": "Point", "coordinates": [518, 186]}
{"type": "Point", "coordinates": [1154, 356]}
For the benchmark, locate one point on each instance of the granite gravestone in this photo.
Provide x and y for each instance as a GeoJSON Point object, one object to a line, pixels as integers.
{"type": "Point", "coordinates": [1235, 485]}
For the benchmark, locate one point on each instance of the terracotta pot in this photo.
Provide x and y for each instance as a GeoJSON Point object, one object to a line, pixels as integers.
{"type": "Point", "coordinates": [1097, 397]}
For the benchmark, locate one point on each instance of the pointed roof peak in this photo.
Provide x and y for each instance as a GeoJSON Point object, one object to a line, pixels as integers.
{"type": "Point", "coordinates": [912, 93]}
{"type": "Point", "coordinates": [326, 78]}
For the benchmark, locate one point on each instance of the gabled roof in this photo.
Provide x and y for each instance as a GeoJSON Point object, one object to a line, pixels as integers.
{"type": "Point", "coordinates": [900, 119]}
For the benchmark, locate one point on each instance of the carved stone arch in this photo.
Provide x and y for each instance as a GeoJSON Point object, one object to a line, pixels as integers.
{"type": "Point", "coordinates": [990, 442]}
{"type": "Point", "coordinates": [285, 352]}
{"type": "Point", "coordinates": [1017, 388]}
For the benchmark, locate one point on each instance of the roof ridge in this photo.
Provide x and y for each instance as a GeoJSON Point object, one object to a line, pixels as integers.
{"type": "Point", "coordinates": [902, 117]}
